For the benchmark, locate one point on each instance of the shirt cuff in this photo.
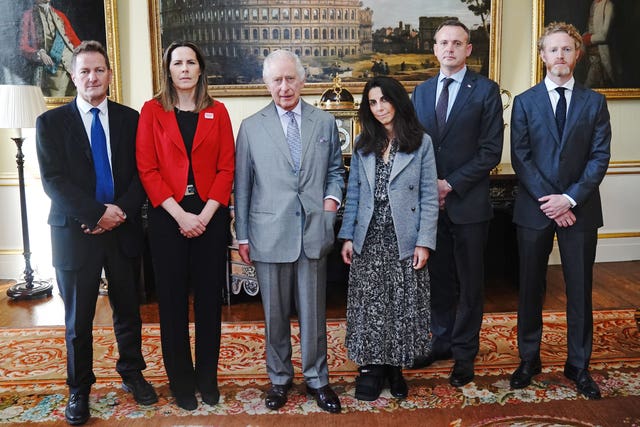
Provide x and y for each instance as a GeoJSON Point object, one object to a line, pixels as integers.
{"type": "Point", "coordinates": [243, 242]}
{"type": "Point", "coordinates": [339, 202]}
{"type": "Point", "coordinates": [573, 202]}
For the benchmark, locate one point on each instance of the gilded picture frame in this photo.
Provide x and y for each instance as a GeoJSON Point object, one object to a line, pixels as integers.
{"type": "Point", "coordinates": [609, 62]}
{"type": "Point", "coordinates": [28, 31]}
{"type": "Point", "coordinates": [211, 24]}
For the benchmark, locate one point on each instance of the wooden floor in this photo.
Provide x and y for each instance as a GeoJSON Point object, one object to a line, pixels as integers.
{"type": "Point", "coordinates": [616, 285]}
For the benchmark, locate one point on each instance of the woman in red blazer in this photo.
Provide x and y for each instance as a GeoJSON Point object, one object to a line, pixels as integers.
{"type": "Point", "coordinates": [185, 156]}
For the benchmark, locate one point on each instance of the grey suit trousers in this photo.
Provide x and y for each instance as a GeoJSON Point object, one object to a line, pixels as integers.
{"type": "Point", "coordinates": [304, 280]}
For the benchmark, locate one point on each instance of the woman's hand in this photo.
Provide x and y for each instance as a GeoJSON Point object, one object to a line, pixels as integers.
{"type": "Point", "coordinates": [420, 257]}
{"type": "Point", "coordinates": [347, 252]}
{"type": "Point", "coordinates": [190, 225]}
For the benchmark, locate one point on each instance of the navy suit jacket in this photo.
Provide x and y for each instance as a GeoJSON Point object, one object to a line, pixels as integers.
{"type": "Point", "coordinates": [469, 146]}
{"type": "Point", "coordinates": [545, 165]}
{"type": "Point", "coordinates": [68, 178]}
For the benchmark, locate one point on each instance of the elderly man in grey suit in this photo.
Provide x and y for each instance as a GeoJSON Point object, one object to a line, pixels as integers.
{"type": "Point", "coordinates": [288, 186]}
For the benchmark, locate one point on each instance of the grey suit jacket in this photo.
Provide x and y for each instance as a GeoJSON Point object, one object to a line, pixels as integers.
{"type": "Point", "coordinates": [413, 196]}
{"type": "Point", "coordinates": [544, 164]}
{"type": "Point", "coordinates": [272, 202]}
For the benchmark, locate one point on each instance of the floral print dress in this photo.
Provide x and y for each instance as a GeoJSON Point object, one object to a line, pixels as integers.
{"type": "Point", "coordinates": [388, 302]}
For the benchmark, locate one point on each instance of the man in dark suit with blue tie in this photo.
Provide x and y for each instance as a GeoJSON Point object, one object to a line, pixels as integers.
{"type": "Point", "coordinates": [462, 112]}
{"type": "Point", "coordinates": [86, 152]}
{"type": "Point", "coordinates": [560, 162]}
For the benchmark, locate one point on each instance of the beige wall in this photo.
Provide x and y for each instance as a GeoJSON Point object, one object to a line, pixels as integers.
{"type": "Point", "coordinates": [620, 238]}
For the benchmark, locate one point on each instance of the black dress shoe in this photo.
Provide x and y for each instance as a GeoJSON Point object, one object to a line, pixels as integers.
{"type": "Point", "coordinates": [397, 385]}
{"type": "Point", "coordinates": [585, 384]}
{"type": "Point", "coordinates": [522, 376]}
{"type": "Point", "coordinates": [326, 398]}
{"type": "Point", "coordinates": [77, 410]}
{"type": "Point", "coordinates": [186, 401]}
{"type": "Point", "coordinates": [277, 396]}
{"type": "Point", "coordinates": [424, 361]}
{"type": "Point", "coordinates": [370, 382]}
{"type": "Point", "coordinates": [462, 373]}
{"type": "Point", "coordinates": [210, 397]}
{"type": "Point", "coordinates": [142, 391]}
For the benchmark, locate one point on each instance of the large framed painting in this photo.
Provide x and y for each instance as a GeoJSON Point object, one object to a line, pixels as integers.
{"type": "Point", "coordinates": [610, 63]}
{"type": "Point", "coordinates": [37, 38]}
{"type": "Point", "coordinates": [350, 39]}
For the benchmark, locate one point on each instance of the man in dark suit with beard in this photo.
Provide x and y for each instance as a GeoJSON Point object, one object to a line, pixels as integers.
{"type": "Point", "coordinates": [86, 151]}
{"type": "Point", "coordinates": [560, 150]}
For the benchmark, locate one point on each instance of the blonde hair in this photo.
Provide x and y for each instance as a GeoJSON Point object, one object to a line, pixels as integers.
{"type": "Point", "coordinates": [560, 27]}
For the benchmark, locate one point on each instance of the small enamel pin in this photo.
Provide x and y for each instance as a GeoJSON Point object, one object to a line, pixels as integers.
{"type": "Point", "coordinates": [208, 116]}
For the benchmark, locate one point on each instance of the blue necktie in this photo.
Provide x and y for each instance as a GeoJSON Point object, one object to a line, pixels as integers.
{"type": "Point", "coordinates": [293, 139]}
{"type": "Point", "coordinates": [443, 104]}
{"type": "Point", "coordinates": [561, 110]}
{"type": "Point", "coordinates": [104, 181]}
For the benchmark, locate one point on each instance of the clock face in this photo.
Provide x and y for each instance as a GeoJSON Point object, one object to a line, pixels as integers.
{"type": "Point", "coordinates": [344, 133]}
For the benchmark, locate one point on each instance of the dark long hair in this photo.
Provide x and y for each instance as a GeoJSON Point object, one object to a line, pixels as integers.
{"type": "Point", "coordinates": [407, 128]}
{"type": "Point", "coordinates": [168, 96]}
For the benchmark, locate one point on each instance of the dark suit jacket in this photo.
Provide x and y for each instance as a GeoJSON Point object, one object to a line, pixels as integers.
{"type": "Point", "coordinates": [545, 165]}
{"type": "Point", "coordinates": [68, 178]}
{"type": "Point", "coordinates": [469, 146]}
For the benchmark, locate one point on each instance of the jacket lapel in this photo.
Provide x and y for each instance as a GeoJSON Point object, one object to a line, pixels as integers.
{"type": "Point", "coordinates": [75, 126]}
{"type": "Point", "coordinates": [575, 110]}
{"type": "Point", "coordinates": [168, 122]}
{"type": "Point", "coordinates": [466, 89]}
{"type": "Point", "coordinates": [206, 121]}
{"type": "Point", "coordinates": [369, 166]}
{"type": "Point", "coordinates": [307, 131]}
{"type": "Point", "coordinates": [400, 162]}
{"type": "Point", "coordinates": [273, 127]}
{"type": "Point", "coordinates": [545, 109]}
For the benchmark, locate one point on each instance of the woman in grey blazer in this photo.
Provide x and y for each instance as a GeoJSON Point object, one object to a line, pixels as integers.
{"type": "Point", "coordinates": [388, 228]}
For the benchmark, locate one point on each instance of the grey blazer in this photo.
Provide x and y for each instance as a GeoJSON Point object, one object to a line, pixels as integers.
{"type": "Point", "coordinates": [413, 196]}
{"type": "Point", "coordinates": [272, 202]}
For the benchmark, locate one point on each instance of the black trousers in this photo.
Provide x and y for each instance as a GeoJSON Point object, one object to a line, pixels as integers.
{"type": "Point", "coordinates": [457, 287]}
{"type": "Point", "coordinates": [181, 266]}
{"type": "Point", "coordinates": [577, 253]}
{"type": "Point", "coordinates": [79, 291]}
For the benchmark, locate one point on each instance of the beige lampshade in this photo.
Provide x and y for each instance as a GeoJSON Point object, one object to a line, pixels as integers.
{"type": "Point", "coordinates": [20, 105]}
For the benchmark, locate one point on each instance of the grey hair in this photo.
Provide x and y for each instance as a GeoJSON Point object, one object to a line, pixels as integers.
{"type": "Point", "coordinates": [282, 54]}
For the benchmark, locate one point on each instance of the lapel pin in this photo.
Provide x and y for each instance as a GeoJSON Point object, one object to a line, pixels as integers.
{"type": "Point", "coordinates": [208, 116]}
{"type": "Point", "coordinates": [468, 85]}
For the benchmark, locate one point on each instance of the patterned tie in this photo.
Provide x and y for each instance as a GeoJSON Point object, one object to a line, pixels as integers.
{"type": "Point", "coordinates": [443, 104]}
{"type": "Point", "coordinates": [293, 139]}
{"type": "Point", "coordinates": [561, 110]}
{"type": "Point", "coordinates": [104, 181]}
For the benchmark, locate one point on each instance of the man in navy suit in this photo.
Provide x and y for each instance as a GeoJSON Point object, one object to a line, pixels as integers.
{"type": "Point", "coordinates": [93, 229]}
{"type": "Point", "coordinates": [560, 150]}
{"type": "Point", "coordinates": [462, 112]}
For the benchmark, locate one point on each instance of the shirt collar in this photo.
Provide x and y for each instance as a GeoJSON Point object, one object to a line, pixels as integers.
{"type": "Point", "coordinates": [550, 85]}
{"type": "Point", "coordinates": [85, 107]}
{"type": "Point", "coordinates": [457, 76]}
{"type": "Point", "coordinates": [297, 110]}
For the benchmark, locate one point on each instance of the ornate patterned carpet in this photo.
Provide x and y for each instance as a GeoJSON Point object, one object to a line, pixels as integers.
{"type": "Point", "coordinates": [32, 376]}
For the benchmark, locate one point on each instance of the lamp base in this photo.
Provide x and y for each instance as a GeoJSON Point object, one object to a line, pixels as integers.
{"type": "Point", "coordinates": [24, 290]}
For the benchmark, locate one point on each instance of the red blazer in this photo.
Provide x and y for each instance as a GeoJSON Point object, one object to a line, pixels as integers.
{"type": "Point", "coordinates": [162, 159]}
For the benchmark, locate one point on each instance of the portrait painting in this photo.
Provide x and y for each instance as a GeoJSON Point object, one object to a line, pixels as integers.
{"type": "Point", "coordinates": [37, 38]}
{"type": "Point", "coordinates": [609, 60]}
{"type": "Point", "coordinates": [350, 39]}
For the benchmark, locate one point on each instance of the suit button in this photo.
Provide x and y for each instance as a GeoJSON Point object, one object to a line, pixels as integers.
{"type": "Point", "coordinates": [411, 187]}
{"type": "Point", "coordinates": [356, 223]}
{"type": "Point", "coordinates": [297, 213]}
{"type": "Point", "coordinates": [413, 209]}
